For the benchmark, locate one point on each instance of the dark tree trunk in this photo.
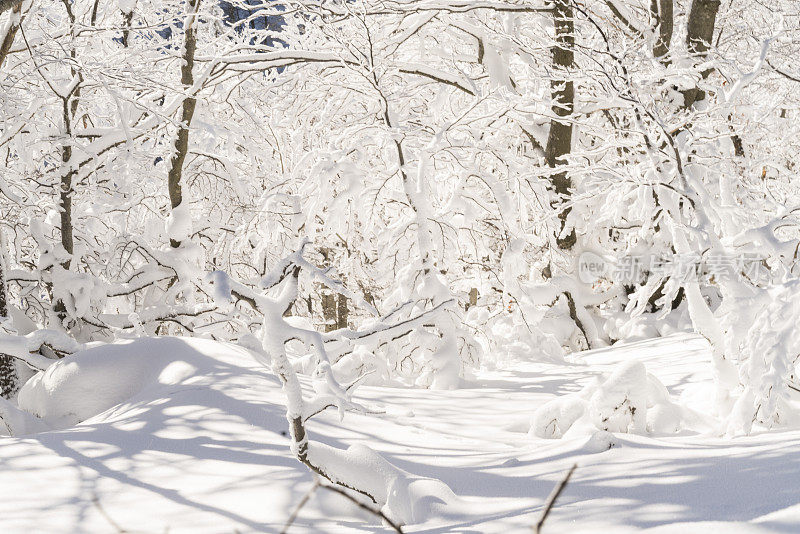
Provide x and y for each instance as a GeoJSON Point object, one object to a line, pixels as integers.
{"type": "Point", "coordinates": [127, 18]}
{"type": "Point", "coordinates": [65, 196]}
{"type": "Point", "coordinates": [662, 13]}
{"type": "Point", "coordinates": [175, 172]}
{"type": "Point", "coordinates": [699, 33]}
{"type": "Point", "coordinates": [5, 5]}
{"type": "Point", "coordinates": [342, 312]}
{"type": "Point", "coordinates": [66, 187]}
{"type": "Point", "coordinates": [559, 138]}
{"type": "Point", "coordinates": [335, 311]}
{"type": "Point", "coordinates": [329, 310]}
{"type": "Point", "coordinates": [8, 39]}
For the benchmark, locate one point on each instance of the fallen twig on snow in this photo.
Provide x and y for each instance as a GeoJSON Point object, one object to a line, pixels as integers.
{"type": "Point", "coordinates": [364, 506]}
{"type": "Point", "coordinates": [551, 500]}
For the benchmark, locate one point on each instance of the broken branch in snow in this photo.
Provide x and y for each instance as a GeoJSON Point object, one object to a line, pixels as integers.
{"type": "Point", "coordinates": [551, 500]}
{"type": "Point", "coordinates": [299, 507]}
{"type": "Point", "coordinates": [96, 503]}
{"type": "Point", "coordinates": [397, 528]}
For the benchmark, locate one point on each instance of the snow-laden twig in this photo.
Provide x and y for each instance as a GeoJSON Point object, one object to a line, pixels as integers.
{"type": "Point", "coordinates": [26, 348]}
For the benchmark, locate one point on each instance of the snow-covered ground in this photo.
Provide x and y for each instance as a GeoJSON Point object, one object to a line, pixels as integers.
{"type": "Point", "coordinates": [198, 444]}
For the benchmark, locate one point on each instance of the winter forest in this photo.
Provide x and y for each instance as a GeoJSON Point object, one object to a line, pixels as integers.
{"type": "Point", "coordinates": [399, 266]}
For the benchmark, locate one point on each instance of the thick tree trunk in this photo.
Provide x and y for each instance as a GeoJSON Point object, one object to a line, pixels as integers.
{"type": "Point", "coordinates": [329, 310]}
{"type": "Point", "coordinates": [342, 312]}
{"type": "Point", "coordinates": [8, 38]}
{"type": "Point", "coordinates": [65, 209]}
{"type": "Point", "coordinates": [5, 5]}
{"type": "Point", "coordinates": [65, 197]}
{"type": "Point", "coordinates": [335, 311]}
{"type": "Point", "coordinates": [175, 172]}
{"type": "Point", "coordinates": [127, 18]}
{"type": "Point", "coordinates": [559, 138]}
{"type": "Point", "coordinates": [66, 189]}
{"type": "Point", "coordinates": [699, 33]}
{"type": "Point", "coordinates": [662, 13]}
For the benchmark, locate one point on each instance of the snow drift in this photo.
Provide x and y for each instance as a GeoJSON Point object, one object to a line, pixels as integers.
{"type": "Point", "coordinates": [84, 385]}
{"type": "Point", "coordinates": [108, 382]}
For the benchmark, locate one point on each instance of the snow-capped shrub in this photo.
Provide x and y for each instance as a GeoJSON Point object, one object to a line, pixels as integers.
{"type": "Point", "coordinates": [629, 400]}
{"type": "Point", "coordinates": [620, 403]}
{"type": "Point", "coordinates": [554, 418]}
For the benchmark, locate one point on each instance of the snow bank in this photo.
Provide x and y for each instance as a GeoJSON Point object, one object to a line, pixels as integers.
{"type": "Point", "coordinates": [629, 400]}
{"type": "Point", "coordinates": [211, 455]}
{"type": "Point", "coordinates": [14, 422]}
{"type": "Point", "coordinates": [91, 381]}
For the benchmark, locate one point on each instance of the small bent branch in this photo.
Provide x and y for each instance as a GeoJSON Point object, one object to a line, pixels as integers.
{"type": "Point", "coordinates": [551, 500]}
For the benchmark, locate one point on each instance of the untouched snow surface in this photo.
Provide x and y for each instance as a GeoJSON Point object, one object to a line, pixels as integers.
{"type": "Point", "coordinates": [198, 444]}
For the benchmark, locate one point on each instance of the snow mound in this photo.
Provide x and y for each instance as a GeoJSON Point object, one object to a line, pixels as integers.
{"type": "Point", "coordinates": [96, 379]}
{"type": "Point", "coordinates": [629, 400]}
